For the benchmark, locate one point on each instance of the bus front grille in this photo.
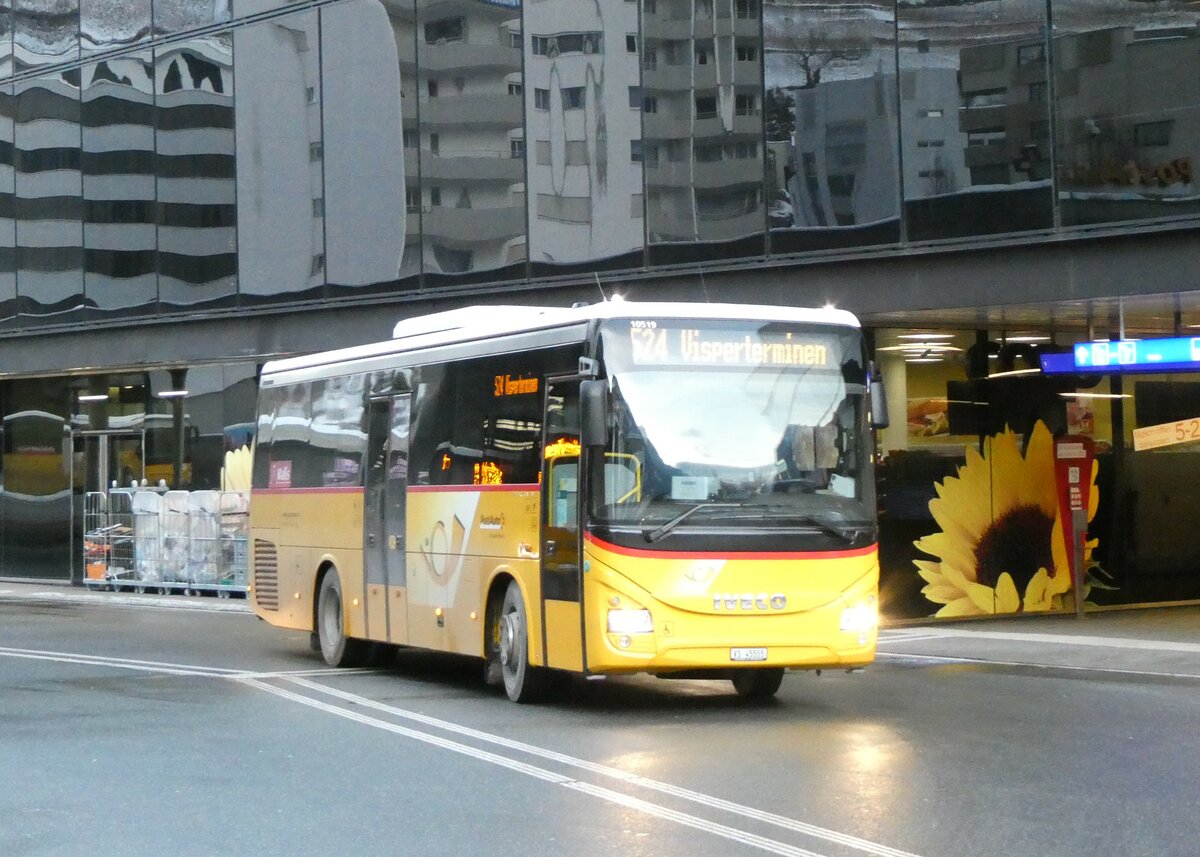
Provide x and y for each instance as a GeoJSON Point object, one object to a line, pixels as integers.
{"type": "Point", "coordinates": [266, 574]}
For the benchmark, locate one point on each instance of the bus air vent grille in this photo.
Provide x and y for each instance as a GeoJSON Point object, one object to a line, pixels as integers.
{"type": "Point", "coordinates": [266, 574]}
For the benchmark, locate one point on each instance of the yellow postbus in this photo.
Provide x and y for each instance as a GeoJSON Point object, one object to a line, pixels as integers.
{"type": "Point", "coordinates": [684, 490]}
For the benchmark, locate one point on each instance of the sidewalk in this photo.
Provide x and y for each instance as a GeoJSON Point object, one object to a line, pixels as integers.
{"type": "Point", "coordinates": [57, 592]}
{"type": "Point", "coordinates": [1162, 641]}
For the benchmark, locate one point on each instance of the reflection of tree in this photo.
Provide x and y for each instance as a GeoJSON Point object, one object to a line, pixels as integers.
{"type": "Point", "coordinates": [941, 177]}
{"type": "Point", "coordinates": [810, 48]}
{"type": "Point", "coordinates": [779, 115]}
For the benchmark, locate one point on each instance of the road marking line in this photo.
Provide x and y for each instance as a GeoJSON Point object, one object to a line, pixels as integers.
{"type": "Point", "coordinates": [657, 810]}
{"type": "Point", "coordinates": [118, 663]}
{"type": "Point", "coordinates": [893, 637]}
{"type": "Point", "coordinates": [783, 821]}
{"type": "Point", "coordinates": [688, 820]}
{"type": "Point", "coordinates": [168, 668]}
{"type": "Point", "coordinates": [1073, 640]}
{"type": "Point", "coordinates": [116, 600]}
{"type": "Point", "coordinates": [900, 656]}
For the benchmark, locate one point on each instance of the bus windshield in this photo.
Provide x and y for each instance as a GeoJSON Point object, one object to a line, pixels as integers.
{"type": "Point", "coordinates": [719, 425]}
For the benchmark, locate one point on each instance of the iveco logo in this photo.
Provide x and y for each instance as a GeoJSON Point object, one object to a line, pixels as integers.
{"type": "Point", "coordinates": [748, 601]}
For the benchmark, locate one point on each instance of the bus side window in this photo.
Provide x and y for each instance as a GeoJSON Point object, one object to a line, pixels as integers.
{"type": "Point", "coordinates": [564, 491]}
{"type": "Point", "coordinates": [622, 478]}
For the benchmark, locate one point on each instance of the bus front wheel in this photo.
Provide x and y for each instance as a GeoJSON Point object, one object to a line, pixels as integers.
{"type": "Point", "coordinates": [523, 682]}
{"type": "Point", "coordinates": [337, 649]}
{"type": "Point", "coordinates": [760, 683]}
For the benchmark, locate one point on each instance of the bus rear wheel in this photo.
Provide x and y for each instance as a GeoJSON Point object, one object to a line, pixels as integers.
{"type": "Point", "coordinates": [523, 682]}
{"type": "Point", "coordinates": [337, 649]}
{"type": "Point", "coordinates": [760, 683]}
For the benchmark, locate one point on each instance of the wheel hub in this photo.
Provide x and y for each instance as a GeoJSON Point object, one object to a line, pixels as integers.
{"type": "Point", "coordinates": [509, 628]}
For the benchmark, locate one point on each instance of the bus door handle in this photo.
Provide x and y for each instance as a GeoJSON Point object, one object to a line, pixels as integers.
{"type": "Point", "coordinates": [551, 547]}
{"type": "Point", "coordinates": [370, 540]}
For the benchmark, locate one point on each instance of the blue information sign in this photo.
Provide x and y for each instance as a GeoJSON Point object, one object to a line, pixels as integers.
{"type": "Point", "coordinates": [1177, 354]}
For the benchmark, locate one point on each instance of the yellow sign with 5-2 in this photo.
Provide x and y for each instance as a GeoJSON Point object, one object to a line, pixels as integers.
{"type": "Point", "coordinates": [1166, 434]}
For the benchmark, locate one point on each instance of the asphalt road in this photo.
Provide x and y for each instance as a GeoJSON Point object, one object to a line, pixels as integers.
{"type": "Point", "coordinates": [146, 731]}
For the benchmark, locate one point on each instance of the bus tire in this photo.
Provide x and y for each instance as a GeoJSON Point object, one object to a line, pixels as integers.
{"type": "Point", "coordinates": [759, 683]}
{"type": "Point", "coordinates": [337, 649]}
{"type": "Point", "coordinates": [523, 682]}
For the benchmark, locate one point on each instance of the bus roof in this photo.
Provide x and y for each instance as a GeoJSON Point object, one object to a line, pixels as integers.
{"type": "Point", "coordinates": [500, 329]}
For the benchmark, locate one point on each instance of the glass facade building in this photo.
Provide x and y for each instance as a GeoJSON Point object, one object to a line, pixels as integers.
{"type": "Point", "coordinates": [171, 165]}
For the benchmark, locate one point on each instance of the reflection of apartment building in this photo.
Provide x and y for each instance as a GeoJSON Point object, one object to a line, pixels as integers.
{"type": "Point", "coordinates": [1005, 111]}
{"type": "Point", "coordinates": [120, 224]}
{"type": "Point", "coordinates": [1128, 102]}
{"type": "Point", "coordinates": [83, 171]}
{"type": "Point", "coordinates": [197, 230]}
{"type": "Point", "coordinates": [583, 108]}
{"type": "Point", "coordinates": [843, 157]}
{"type": "Point", "coordinates": [1129, 109]}
{"type": "Point", "coordinates": [279, 122]}
{"type": "Point", "coordinates": [47, 208]}
{"type": "Point", "coordinates": [933, 143]}
{"type": "Point", "coordinates": [702, 119]}
{"type": "Point", "coordinates": [472, 137]}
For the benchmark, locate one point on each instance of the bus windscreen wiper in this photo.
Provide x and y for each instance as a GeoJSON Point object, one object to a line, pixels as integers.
{"type": "Point", "coordinates": [849, 534]}
{"type": "Point", "coordinates": [661, 530]}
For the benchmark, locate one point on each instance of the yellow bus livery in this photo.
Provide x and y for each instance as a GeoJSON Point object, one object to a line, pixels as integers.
{"type": "Point", "coordinates": [684, 490]}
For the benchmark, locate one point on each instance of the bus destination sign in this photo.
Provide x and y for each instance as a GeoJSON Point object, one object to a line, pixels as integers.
{"type": "Point", "coordinates": [652, 344]}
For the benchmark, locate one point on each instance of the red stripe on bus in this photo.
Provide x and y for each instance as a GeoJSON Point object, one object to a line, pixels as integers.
{"type": "Point", "coordinates": [331, 489]}
{"type": "Point", "coordinates": [521, 486]}
{"type": "Point", "coordinates": [755, 555]}
{"type": "Point", "coordinates": [349, 489]}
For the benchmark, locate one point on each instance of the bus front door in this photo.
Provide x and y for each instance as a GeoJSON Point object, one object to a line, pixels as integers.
{"type": "Point", "coordinates": [384, 544]}
{"type": "Point", "coordinates": [561, 548]}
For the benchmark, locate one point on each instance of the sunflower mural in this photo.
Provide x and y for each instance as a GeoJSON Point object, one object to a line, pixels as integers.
{"type": "Point", "coordinates": [1001, 547]}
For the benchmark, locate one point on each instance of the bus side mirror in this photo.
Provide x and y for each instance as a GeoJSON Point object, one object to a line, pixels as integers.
{"type": "Point", "coordinates": [593, 406]}
{"type": "Point", "coordinates": [879, 411]}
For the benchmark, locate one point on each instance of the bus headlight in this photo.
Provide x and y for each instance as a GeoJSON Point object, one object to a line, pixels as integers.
{"type": "Point", "coordinates": [630, 622]}
{"type": "Point", "coordinates": [862, 617]}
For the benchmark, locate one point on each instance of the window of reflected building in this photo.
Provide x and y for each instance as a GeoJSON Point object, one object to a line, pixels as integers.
{"type": "Point", "coordinates": [36, 466]}
{"type": "Point", "coordinates": [8, 229]}
{"type": "Point", "coordinates": [370, 127]}
{"type": "Point", "coordinates": [45, 32]}
{"type": "Point", "coordinates": [197, 195]}
{"type": "Point", "coordinates": [473, 195]}
{"type": "Point", "coordinates": [105, 25]}
{"type": "Point", "coordinates": [48, 198]}
{"type": "Point", "coordinates": [833, 175]}
{"type": "Point", "coordinates": [705, 198]}
{"type": "Point", "coordinates": [280, 176]}
{"type": "Point", "coordinates": [1127, 87]}
{"type": "Point", "coordinates": [177, 16]}
{"type": "Point", "coordinates": [6, 38]}
{"type": "Point", "coordinates": [974, 122]}
{"type": "Point", "coordinates": [118, 166]}
{"type": "Point", "coordinates": [583, 108]}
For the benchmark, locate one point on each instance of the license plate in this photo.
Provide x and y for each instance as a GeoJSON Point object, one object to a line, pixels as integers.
{"type": "Point", "coordinates": [747, 654]}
